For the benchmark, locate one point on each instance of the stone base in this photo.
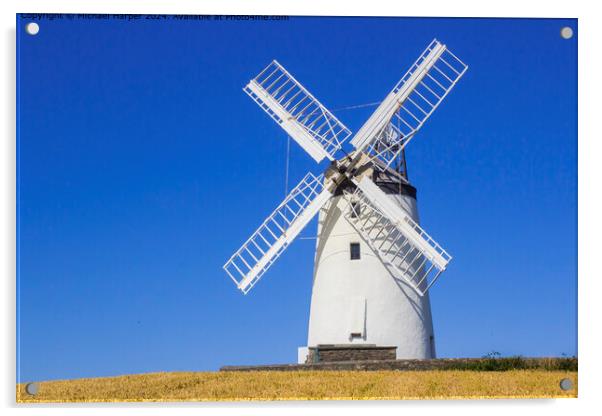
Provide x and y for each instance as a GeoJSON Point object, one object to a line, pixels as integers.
{"type": "Point", "coordinates": [349, 352]}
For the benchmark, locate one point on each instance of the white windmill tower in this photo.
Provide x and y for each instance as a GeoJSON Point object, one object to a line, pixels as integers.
{"type": "Point", "coordinates": [374, 264]}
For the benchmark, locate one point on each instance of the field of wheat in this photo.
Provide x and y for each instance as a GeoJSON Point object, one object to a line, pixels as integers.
{"type": "Point", "coordinates": [304, 385]}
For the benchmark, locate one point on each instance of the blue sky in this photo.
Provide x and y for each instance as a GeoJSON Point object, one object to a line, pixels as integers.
{"type": "Point", "coordinates": [142, 166]}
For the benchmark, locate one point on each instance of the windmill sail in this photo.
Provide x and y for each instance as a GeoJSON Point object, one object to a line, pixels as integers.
{"type": "Point", "coordinates": [298, 112]}
{"type": "Point", "coordinates": [258, 253]}
{"type": "Point", "coordinates": [410, 103]}
{"type": "Point", "coordinates": [399, 241]}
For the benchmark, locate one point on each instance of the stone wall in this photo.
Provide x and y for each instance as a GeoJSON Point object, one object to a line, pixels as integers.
{"type": "Point", "coordinates": [553, 363]}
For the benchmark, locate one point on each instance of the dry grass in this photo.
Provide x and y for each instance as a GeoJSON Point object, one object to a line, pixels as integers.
{"type": "Point", "coordinates": [305, 385]}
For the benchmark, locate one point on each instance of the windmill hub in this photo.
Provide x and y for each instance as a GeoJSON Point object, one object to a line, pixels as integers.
{"type": "Point", "coordinates": [353, 167]}
{"type": "Point", "coordinates": [374, 264]}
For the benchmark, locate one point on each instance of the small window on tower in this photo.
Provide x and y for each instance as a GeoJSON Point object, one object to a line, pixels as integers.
{"type": "Point", "coordinates": [354, 251]}
{"type": "Point", "coordinates": [355, 209]}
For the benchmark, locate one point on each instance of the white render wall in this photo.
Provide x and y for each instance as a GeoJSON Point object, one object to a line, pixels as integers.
{"type": "Point", "coordinates": [361, 295]}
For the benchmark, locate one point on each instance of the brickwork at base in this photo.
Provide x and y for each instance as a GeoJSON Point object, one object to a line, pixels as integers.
{"type": "Point", "coordinates": [337, 353]}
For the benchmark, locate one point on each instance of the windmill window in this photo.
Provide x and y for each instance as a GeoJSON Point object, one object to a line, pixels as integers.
{"type": "Point", "coordinates": [354, 251]}
{"type": "Point", "coordinates": [355, 209]}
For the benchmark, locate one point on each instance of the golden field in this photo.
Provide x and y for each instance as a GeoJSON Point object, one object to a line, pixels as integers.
{"type": "Point", "coordinates": [304, 385]}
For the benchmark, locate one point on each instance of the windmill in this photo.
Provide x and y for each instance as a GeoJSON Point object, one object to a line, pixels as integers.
{"type": "Point", "coordinates": [374, 264]}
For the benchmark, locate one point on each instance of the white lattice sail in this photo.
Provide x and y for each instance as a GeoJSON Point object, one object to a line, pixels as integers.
{"type": "Point", "coordinates": [399, 241]}
{"type": "Point", "coordinates": [298, 112]}
{"type": "Point", "coordinates": [258, 253]}
{"type": "Point", "coordinates": [411, 102]}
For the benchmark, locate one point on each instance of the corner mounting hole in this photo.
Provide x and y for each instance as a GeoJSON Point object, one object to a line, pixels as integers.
{"type": "Point", "coordinates": [566, 32]}
{"type": "Point", "coordinates": [566, 384]}
{"type": "Point", "coordinates": [32, 28]}
{"type": "Point", "coordinates": [32, 388]}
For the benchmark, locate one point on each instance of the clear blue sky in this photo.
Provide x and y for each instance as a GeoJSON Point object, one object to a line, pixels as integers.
{"type": "Point", "coordinates": [142, 166]}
